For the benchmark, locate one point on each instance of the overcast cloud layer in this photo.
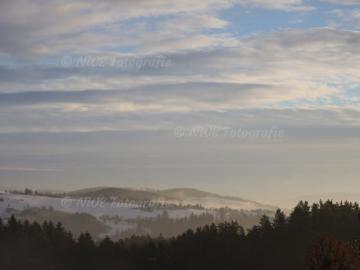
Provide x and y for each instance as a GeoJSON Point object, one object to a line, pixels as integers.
{"type": "Point", "coordinates": [131, 73]}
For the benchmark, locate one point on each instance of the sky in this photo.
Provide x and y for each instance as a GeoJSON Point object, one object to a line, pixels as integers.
{"type": "Point", "coordinates": [251, 98]}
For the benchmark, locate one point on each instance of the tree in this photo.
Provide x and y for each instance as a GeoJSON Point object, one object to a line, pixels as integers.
{"type": "Point", "coordinates": [28, 191]}
{"type": "Point", "coordinates": [13, 224]}
{"type": "Point", "coordinates": [85, 241]}
{"type": "Point", "coordinates": [1, 227]}
{"type": "Point", "coordinates": [332, 254]}
{"type": "Point", "coordinates": [279, 219]}
{"type": "Point", "coordinates": [265, 225]}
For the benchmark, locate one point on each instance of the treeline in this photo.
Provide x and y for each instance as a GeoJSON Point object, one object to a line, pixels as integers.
{"type": "Point", "coordinates": [167, 226]}
{"type": "Point", "coordinates": [317, 237]}
{"type": "Point", "coordinates": [162, 225]}
{"type": "Point", "coordinates": [30, 192]}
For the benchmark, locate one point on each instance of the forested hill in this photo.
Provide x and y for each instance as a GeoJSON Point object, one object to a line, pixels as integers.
{"type": "Point", "coordinates": [317, 237]}
{"type": "Point", "coordinates": [183, 196]}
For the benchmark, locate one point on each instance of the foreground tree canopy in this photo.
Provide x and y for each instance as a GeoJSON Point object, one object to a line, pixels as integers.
{"type": "Point", "coordinates": [322, 236]}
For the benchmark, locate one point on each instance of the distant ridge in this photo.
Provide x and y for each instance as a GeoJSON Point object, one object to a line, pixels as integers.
{"type": "Point", "coordinates": [175, 195]}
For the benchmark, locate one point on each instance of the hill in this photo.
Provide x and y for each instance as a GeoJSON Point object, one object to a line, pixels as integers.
{"type": "Point", "coordinates": [183, 196]}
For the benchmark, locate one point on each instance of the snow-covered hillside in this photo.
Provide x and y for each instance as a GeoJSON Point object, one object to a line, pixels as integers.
{"type": "Point", "coordinates": [11, 203]}
{"type": "Point", "coordinates": [177, 196]}
{"type": "Point", "coordinates": [121, 216]}
{"type": "Point", "coordinates": [15, 204]}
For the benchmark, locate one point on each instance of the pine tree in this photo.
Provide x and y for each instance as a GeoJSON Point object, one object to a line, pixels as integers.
{"type": "Point", "coordinates": [279, 220]}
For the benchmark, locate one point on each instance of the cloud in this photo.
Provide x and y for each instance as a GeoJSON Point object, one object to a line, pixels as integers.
{"type": "Point", "coordinates": [315, 122]}
{"type": "Point", "coordinates": [33, 28]}
{"type": "Point", "coordinates": [300, 64]}
{"type": "Point", "coordinates": [342, 2]}
{"type": "Point", "coordinates": [21, 169]}
{"type": "Point", "coordinates": [212, 69]}
{"type": "Point", "coordinates": [182, 97]}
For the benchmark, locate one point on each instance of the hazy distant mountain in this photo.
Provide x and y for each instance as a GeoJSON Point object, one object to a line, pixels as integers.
{"type": "Point", "coordinates": [93, 210]}
{"type": "Point", "coordinates": [115, 193]}
{"type": "Point", "coordinates": [184, 196]}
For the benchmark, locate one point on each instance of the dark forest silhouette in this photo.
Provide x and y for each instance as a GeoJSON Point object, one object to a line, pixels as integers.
{"type": "Point", "coordinates": [322, 236]}
{"type": "Point", "coordinates": [168, 226]}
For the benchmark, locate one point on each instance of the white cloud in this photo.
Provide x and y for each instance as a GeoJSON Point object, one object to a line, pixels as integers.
{"type": "Point", "coordinates": [343, 2]}
{"type": "Point", "coordinates": [298, 66]}
{"type": "Point", "coordinates": [211, 69]}
{"type": "Point", "coordinates": [31, 28]}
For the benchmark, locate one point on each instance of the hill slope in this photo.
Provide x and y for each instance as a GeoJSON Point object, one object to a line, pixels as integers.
{"type": "Point", "coordinates": [185, 196]}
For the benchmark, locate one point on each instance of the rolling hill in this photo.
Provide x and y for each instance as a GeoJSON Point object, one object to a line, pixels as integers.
{"type": "Point", "coordinates": [183, 196]}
